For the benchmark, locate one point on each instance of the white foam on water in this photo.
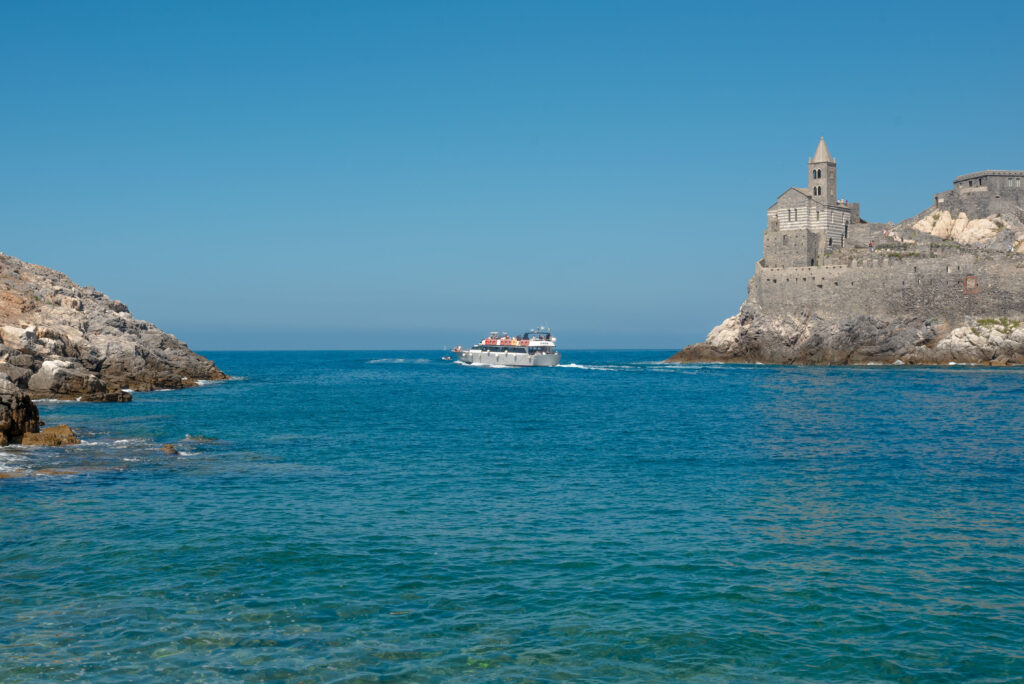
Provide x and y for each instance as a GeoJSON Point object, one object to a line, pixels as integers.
{"type": "Point", "coordinates": [9, 461]}
{"type": "Point", "coordinates": [589, 367]}
{"type": "Point", "coordinates": [133, 442]}
{"type": "Point", "coordinates": [399, 361]}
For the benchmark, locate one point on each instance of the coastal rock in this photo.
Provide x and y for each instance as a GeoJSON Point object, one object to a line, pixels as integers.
{"type": "Point", "coordinates": [18, 415]}
{"type": "Point", "coordinates": [1001, 231]}
{"type": "Point", "coordinates": [752, 336]}
{"type": "Point", "coordinates": [60, 435]}
{"type": "Point", "coordinates": [75, 342]}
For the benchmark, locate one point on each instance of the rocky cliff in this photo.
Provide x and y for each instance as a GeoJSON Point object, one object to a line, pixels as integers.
{"type": "Point", "coordinates": [806, 337]}
{"type": "Point", "coordinates": [61, 340]}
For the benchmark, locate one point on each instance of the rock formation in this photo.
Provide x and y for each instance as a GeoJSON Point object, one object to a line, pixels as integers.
{"type": "Point", "coordinates": [60, 340]}
{"type": "Point", "coordinates": [18, 415]}
{"type": "Point", "coordinates": [61, 435]}
{"type": "Point", "coordinates": [1002, 233]}
{"type": "Point", "coordinates": [755, 336]}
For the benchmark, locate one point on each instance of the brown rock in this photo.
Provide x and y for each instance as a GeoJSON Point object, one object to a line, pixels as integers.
{"type": "Point", "coordinates": [18, 415]}
{"type": "Point", "coordinates": [169, 449]}
{"type": "Point", "coordinates": [61, 435]}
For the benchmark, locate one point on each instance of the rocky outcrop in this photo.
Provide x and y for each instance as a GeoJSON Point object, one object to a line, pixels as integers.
{"type": "Point", "coordinates": [18, 415]}
{"type": "Point", "coordinates": [60, 340]}
{"type": "Point", "coordinates": [61, 435]}
{"type": "Point", "coordinates": [1003, 233]}
{"type": "Point", "coordinates": [753, 336]}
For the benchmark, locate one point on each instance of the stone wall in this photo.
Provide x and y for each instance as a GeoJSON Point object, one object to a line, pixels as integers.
{"type": "Point", "coordinates": [953, 289]}
{"type": "Point", "coordinates": [980, 202]}
{"type": "Point", "coordinates": [786, 248]}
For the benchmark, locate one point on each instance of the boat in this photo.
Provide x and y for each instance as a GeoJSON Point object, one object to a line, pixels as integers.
{"type": "Point", "coordinates": [533, 348]}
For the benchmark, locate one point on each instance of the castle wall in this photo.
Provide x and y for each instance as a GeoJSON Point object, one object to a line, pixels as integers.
{"type": "Point", "coordinates": [784, 248]}
{"type": "Point", "coordinates": [890, 288]}
{"type": "Point", "coordinates": [983, 201]}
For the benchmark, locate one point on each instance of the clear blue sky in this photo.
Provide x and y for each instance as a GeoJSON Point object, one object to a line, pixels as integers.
{"type": "Point", "coordinates": [414, 174]}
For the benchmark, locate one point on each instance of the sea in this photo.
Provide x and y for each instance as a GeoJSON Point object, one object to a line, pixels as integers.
{"type": "Point", "coordinates": [392, 516]}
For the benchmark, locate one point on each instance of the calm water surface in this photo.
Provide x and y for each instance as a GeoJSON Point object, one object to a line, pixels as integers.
{"type": "Point", "coordinates": [386, 515]}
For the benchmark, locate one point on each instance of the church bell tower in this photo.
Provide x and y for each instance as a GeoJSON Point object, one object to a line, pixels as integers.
{"type": "Point", "coordinates": [821, 175]}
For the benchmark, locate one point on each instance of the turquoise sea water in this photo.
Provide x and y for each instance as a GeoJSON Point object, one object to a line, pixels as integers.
{"type": "Point", "coordinates": [386, 515]}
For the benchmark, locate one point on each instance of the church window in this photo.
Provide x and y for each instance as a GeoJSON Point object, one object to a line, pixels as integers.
{"type": "Point", "coordinates": [818, 215]}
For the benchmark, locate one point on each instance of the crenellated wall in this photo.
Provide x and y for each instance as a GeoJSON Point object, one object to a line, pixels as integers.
{"type": "Point", "coordinates": [953, 289]}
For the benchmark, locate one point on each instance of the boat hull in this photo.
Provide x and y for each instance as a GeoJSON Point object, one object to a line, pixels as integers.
{"type": "Point", "coordinates": [496, 358]}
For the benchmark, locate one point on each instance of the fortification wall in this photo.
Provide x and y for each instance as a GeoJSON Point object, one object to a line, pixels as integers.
{"type": "Point", "coordinates": [954, 289]}
{"type": "Point", "coordinates": [783, 248]}
{"type": "Point", "coordinates": [981, 202]}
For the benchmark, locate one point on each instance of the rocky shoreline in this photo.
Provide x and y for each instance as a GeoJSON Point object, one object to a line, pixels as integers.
{"type": "Point", "coordinates": [754, 336]}
{"type": "Point", "coordinates": [59, 340]}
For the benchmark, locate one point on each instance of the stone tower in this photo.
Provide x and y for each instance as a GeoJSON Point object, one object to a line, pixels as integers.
{"type": "Point", "coordinates": [821, 175]}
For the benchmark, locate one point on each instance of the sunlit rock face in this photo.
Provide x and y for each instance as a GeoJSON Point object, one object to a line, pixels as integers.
{"type": "Point", "coordinates": [61, 340]}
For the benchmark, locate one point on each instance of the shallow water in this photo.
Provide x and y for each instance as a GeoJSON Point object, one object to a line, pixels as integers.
{"type": "Point", "coordinates": [370, 515]}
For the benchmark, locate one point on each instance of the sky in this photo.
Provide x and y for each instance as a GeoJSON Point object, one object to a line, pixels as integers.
{"type": "Point", "coordinates": [410, 175]}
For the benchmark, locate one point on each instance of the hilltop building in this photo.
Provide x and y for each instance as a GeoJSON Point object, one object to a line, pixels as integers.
{"type": "Point", "coordinates": [985, 193]}
{"type": "Point", "coordinates": [804, 223]}
{"type": "Point", "coordinates": [945, 286]}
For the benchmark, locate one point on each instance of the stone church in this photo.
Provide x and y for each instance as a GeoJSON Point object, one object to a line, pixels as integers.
{"type": "Point", "coordinates": [804, 223]}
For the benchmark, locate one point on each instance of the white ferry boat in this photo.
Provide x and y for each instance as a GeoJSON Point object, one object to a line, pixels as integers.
{"type": "Point", "coordinates": [534, 348]}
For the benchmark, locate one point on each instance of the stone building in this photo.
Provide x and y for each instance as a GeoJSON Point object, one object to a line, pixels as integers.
{"type": "Point", "coordinates": [804, 223]}
{"type": "Point", "coordinates": [985, 193]}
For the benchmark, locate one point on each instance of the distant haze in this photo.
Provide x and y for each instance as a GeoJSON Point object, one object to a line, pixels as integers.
{"type": "Point", "coordinates": [412, 175]}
